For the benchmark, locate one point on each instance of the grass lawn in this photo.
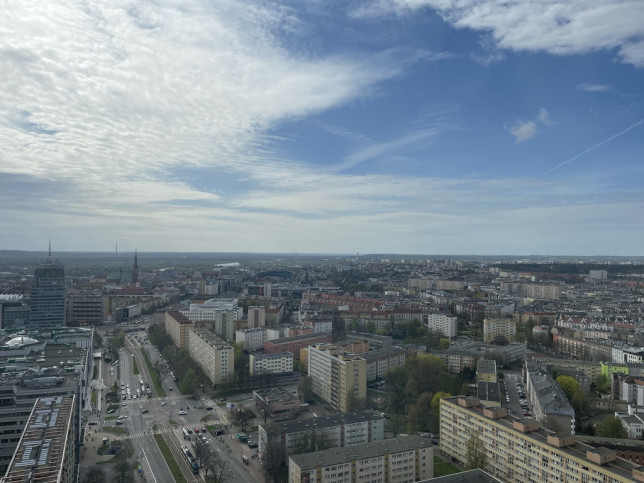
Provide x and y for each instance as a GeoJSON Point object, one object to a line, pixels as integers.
{"type": "Point", "coordinates": [154, 376]}
{"type": "Point", "coordinates": [135, 368]}
{"type": "Point", "coordinates": [94, 397]}
{"type": "Point", "coordinates": [169, 459]}
{"type": "Point", "coordinates": [108, 418]}
{"type": "Point", "coordinates": [114, 429]}
{"type": "Point", "coordinates": [443, 468]}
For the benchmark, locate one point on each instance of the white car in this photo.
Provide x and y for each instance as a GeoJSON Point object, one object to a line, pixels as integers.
{"type": "Point", "coordinates": [181, 413]}
{"type": "Point", "coordinates": [163, 403]}
{"type": "Point", "coordinates": [122, 417]}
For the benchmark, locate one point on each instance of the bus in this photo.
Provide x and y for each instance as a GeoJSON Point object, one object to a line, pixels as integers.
{"type": "Point", "coordinates": [186, 434]}
{"type": "Point", "coordinates": [192, 463]}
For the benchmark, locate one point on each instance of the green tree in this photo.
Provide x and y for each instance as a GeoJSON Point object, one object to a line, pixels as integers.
{"type": "Point", "coordinates": [476, 456]}
{"type": "Point", "coordinates": [611, 427]}
{"type": "Point", "coordinates": [241, 416]}
{"type": "Point", "coordinates": [305, 390]}
{"type": "Point", "coordinates": [601, 384]}
{"type": "Point", "coordinates": [95, 475]}
{"type": "Point", "coordinates": [570, 386]}
{"type": "Point", "coordinates": [273, 455]}
{"type": "Point", "coordinates": [443, 344]}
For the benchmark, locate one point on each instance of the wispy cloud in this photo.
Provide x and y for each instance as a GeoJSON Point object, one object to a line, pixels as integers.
{"type": "Point", "coordinates": [557, 27]}
{"type": "Point", "coordinates": [594, 87]}
{"type": "Point", "coordinates": [595, 146]}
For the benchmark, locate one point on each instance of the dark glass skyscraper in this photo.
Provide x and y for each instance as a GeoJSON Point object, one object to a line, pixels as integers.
{"type": "Point", "coordinates": [48, 295]}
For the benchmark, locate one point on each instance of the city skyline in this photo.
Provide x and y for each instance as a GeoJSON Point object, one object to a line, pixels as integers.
{"type": "Point", "coordinates": [409, 126]}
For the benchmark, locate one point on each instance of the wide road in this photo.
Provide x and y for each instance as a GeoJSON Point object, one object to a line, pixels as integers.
{"type": "Point", "coordinates": [229, 448]}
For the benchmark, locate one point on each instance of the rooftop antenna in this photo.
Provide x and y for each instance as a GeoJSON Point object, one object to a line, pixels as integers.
{"type": "Point", "coordinates": [49, 246]}
{"type": "Point", "coordinates": [117, 248]}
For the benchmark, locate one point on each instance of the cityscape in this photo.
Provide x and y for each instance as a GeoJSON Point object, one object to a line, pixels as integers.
{"type": "Point", "coordinates": [282, 241]}
{"type": "Point", "coordinates": [246, 367]}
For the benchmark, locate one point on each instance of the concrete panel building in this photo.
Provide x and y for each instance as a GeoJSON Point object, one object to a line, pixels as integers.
{"type": "Point", "coordinates": [445, 324]}
{"type": "Point", "coordinates": [214, 356]}
{"type": "Point", "coordinates": [337, 377]}
{"type": "Point", "coordinates": [294, 344]}
{"type": "Point", "coordinates": [379, 361]}
{"type": "Point", "coordinates": [256, 317]}
{"type": "Point", "coordinates": [177, 326]}
{"type": "Point", "coordinates": [277, 403]}
{"type": "Point", "coordinates": [251, 339]}
{"type": "Point", "coordinates": [278, 363]}
{"type": "Point", "coordinates": [520, 451]}
{"type": "Point", "coordinates": [405, 459]}
{"type": "Point", "coordinates": [499, 327]}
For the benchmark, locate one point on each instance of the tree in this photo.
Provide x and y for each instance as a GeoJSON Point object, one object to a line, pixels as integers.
{"type": "Point", "coordinates": [355, 403]}
{"type": "Point", "coordinates": [601, 384]}
{"type": "Point", "coordinates": [570, 386]}
{"type": "Point", "coordinates": [395, 424]}
{"type": "Point", "coordinates": [124, 472]}
{"type": "Point", "coordinates": [611, 427]}
{"type": "Point", "coordinates": [95, 475]}
{"type": "Point", "coordinates": [443, 344]}
{"type": "Point", "coordinates": [272, 456]}
{"type": "Point", "coordinates": [476, 457]}
{"type": "Point", "coordinates": [241, 416]}
{"type": "Point", "coordinates": [305, 390]}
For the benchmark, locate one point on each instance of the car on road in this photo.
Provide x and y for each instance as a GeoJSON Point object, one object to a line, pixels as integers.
{"type": "Point", "coordinates": [145, 411]}
{"type": "Point", "coordinates": [209, 408]}
{"type": "Point", "coordinates": [251, 444]}
{"type": "Point", "coordinates": [122, 416]}
{"type": "Point", "coordinates": [182, 413]}
{"type": "Point", "coordinates": [163, 403]}
{"type": "Point", "coordinates": [92, 423]}
{"type": "Point", "coordinates": [110, 411]}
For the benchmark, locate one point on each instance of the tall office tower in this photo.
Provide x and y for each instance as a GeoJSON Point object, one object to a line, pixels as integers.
{"type": "Point", "coordinates": [47, 300]}
{"type": "Point", "coordinates": [135, 270]}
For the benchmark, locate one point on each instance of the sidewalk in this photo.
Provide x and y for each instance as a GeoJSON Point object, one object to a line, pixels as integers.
{"type": "Point", "coordinates": [88, 455]}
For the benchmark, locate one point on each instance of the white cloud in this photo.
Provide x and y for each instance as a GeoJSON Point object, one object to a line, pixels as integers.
{"type": "Point", "coordinates": [594, 87]}
{"type": "Point", "coordinates": [524, 130]}
{"type": "Point", "coordinates": [560, 27]}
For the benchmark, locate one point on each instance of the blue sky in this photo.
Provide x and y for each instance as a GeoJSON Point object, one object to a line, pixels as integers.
{"type": "Point", "coordinates": [405, 126]}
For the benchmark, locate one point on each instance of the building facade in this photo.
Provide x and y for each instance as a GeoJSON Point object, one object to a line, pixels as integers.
{"type": "Point", "coordinates": [214, 356]}
{"type": "Point", "coordinates": [278, 363]}
{"type": "Point", "coordinates": [177, 326]}
{"type": "Point", "coordinates": [405, 459]}
{"type": "Point", "coordinates": [47, 299]}
{"type": "Point", "coordinates": [499, 327]}
{"type": "Point", "coordinates": [337, 377]}
{"type": "Point", "coordinates": [256, 317]}
{"type": "Point", "coordinates": [251, 339]}
{"type": "Point", "coordinates": [519, 451]}
{"type": "Point", "coordinates": [445, 324]}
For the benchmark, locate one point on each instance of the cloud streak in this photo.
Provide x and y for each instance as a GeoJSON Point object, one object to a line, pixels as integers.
{"type": "Point", "coordinates": [598, 145]}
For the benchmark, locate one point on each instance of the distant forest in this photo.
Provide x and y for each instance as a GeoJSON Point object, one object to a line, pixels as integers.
{"type": "Point", "coordinates": [572, 268]}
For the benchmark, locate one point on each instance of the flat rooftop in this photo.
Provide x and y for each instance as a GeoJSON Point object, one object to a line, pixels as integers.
{"type": "Point", "coordinates": [42, 447]}
{"type": "Point", "coordinates": [328, 421]}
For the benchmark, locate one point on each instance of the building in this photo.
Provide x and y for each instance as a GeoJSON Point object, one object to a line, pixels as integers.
{"type": "Point", "coordinates": [499, 327]}
{"type": "Point", "coordinates": [13, 314]}
{"type": "Point", "coordinates": [46, 452]}
{"type": "Point", "coordinates": [251, 339]}
{"type": "Point", "coordinates": [337, 431]}
{"type": "Point", "coordinates": [256, 317]}
{"type": "Point", "coordinates": [470, 476]}
{"type": "Point", "coordinates": [445, 324]}
{"type": "Point", "coordinates": [294, 344]}
{"type": "Point", "coordinates": [214, 356]}
{"type": "Point", "coordinates": [34, 368]}
{"type": "Point", "coordinates": [339, 378]}
{"type": "Point", "coordinates": [404, 459]}
{"type": "Point", "coordinates": [520, 451]}
{"type": "Point", "coordinates": [177, 326]}
{"type": "Point", "coordinates": [379, 361]}
{"type": "Point", "coordinates": [549, 403]}
{"type": "Point", "coordinates": [87, 310]}
{"type": "Point", "coordinates": [277, 363]}
{"type": "Point", "coordinates": [486, 371]}
{"type": "Point", "coordinates": [276, 403]}
{"type": "Point", "coordinates": [598, 275]}
{"type": "Point", "coordinates": [47, 299]}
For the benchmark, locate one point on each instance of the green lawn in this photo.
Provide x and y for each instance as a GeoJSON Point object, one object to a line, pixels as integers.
{"type": "Point", "coordinates": [443, 468]}
{"type": "Point", "coordinates": [135, 368]}
{"type": "Point", "coordinates": [94, 397]}
{"type": "Point", "coordinates": [108, 418]}
{"type": "Point", "coordinates": [154, 376]}
{"type": "Point", "coordinates": [169, 459]}
{"type": "Point", "coordinates": [114, 429]}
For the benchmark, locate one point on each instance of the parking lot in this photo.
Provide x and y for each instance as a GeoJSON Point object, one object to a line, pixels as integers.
{"type": "Point", "coordinates": [515, 397]}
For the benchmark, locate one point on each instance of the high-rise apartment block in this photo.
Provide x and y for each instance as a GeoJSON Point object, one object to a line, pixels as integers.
{"type": "Point", "coordinates": [499, 327]}
{"type": "Point", "coordinates": [47, 300]}
{"type": "Point", "coordinates": [338, 377]}
{"type": "Point", "coordinates": [214, 356]}
{"type": "Point", "coordinates": [177, 326]}
{"type": "Point", "coordinates": [520, 451]}
{"type": "Point", "coordinates": [256, 317]}
{"type": "Point", "coordinates": [251, 339]}
{"type": "Point", "coordinates": [445, 324]}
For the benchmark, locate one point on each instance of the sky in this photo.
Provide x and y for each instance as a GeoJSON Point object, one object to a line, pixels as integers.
{"type": "Point", "coordinates": [401, 126]}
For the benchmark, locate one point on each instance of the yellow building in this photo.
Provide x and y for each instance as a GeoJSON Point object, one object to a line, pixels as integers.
{"type": "Point", "coordinates": [338, 377]}
{"type": "Point", "coordinates": [177, 326]}
{"type": "Point", "coordinates": [497, 327]}
{"type": "Point", "coordinates": [519, 450]}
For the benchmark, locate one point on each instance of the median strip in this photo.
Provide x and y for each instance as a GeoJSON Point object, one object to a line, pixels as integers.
{"type": "Point", "coordinates": [169, 459]}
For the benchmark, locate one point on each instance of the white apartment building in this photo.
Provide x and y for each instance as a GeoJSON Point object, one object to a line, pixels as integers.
{"type": "Point", "coordinates": [496, 327]}
{"type": "Point", "coordinates": [278, 363]}
{"type": "Point", "coordinates": [251, 339]}
{"type": "Point", "coordinates": [445, 324]}
{"type": "Point", "coordinates": [214, 356]}
{"type": "Point", "coordinates": [379, 361]}
{"type": "Point", "coordinates": [402, 460]}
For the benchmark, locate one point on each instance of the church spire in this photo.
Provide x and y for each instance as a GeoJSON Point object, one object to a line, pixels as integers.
{"type": "Point", "coordinates": [135, 269]}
